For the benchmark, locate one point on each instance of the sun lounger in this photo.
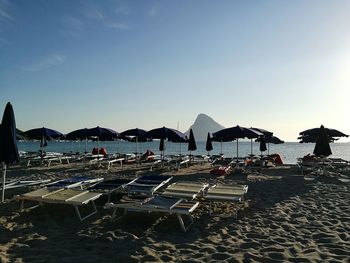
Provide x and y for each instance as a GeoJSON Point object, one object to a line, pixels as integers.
{"type": "Point", "coordinates": [186, 190]}
{"type": "Point", "coordinates": [161, 204]}
{"type": "Point", "coordinates": [225, 193]}
{"type": "Point", "coordinates": [73, 197]}
{"type": "Point", "coordinates": [147, 184]}
{"type": "Point", "coordinates": [24, 183]}
{"type": "Point", "coordinates": [109, 187]}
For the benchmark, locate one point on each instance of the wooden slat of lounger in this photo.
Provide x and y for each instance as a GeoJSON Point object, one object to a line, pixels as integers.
{"type": "Point", "coordinates": [84, 198]}
{"type": "Point", "coordinates": [226, 191]}
{"type": "Point", "coordinates": [243, 187]}
{"type": "Point", "coordinates": [185, 207]}
{"type": "Point", "coordinates": [187, 195]}
{"type": "Point", "coordinates": [62, 196]}
{"type": "Point", "coordinates": [223, 198]}
{"type": "Point", "coordinates": [40, 193]}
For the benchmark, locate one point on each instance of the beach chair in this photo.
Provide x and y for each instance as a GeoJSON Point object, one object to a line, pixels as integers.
{"type": "Point", "coordinates": [225, 193]}
{"type": "Point", "coordinates": [161, 204]}
{"type": "Point", "coordinates": [147, 184]}
{"type": "Point", "coordinates": [75, 197]}
{"type": "Point", "coordinates": [185, 190]}
{"type": "Point", "coordinates": [24, 183]}
{"type": "Point", "coordinates": [108, 187]}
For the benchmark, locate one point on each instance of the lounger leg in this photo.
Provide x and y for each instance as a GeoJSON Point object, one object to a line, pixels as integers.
{"type": "Point", "coordinates": [87, 216]}
{"type": "Point", "coordinates": [183, 227]}
{"type": "Point", "coordinates": [114, 218]}
{"type": "Point", "coordinates": [21, 208]}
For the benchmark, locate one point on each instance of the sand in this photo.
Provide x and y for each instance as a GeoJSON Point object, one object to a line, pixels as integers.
{"type": "Point", "coordinates": [283, 219]}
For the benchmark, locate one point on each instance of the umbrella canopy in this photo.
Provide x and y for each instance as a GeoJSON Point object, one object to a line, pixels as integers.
{"type": "Point", "coordinates": [265, 132]}
{"type": "Point", "coordinates": [192, 142]}
{"type": "Point", "coordinates": [322, 147]}
{"type": "Point", "coordinates": [38, 133]}
{"type": "Point", "coordinates": [79, 134]}
{"type": "Point", "coordinates": [8, 142]}
{"type": "Point", "coordinates": [311, 135]}
{"type": "Point", "coordinates": [102, 133]}
{"type": "Point", "coordinates": [134, 132]}
{"type": "Point", "coordinates": [208, 145]}
{"type": "Point", "coordinates": [230, 134]}
{"type": "Point", "coordinates": [167, 133]}
{"type": "Point", "coordinates": [316, 131]}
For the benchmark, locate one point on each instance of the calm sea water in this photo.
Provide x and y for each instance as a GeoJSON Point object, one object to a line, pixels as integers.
{"type": "Point", "coordinates": [288, 151]}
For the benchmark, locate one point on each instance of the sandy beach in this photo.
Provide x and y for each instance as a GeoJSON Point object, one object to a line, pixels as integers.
{"type": "Point", "coordinates": [283, 219]}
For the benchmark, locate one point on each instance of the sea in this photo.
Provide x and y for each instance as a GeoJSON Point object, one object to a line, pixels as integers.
{"type": "Point", "coordinates": [289, 151]}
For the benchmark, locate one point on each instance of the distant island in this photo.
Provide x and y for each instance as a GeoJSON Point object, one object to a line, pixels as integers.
{"type": "Point", "coordinates": [202, 125]}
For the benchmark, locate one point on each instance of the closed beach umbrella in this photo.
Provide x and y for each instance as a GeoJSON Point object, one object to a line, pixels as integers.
{"type": "Point", "coordinates": [322, 147]}
{"type": "Point", "coordinates": [191, 143]}
{"type": "Point", "coordinates": [8, 143]}
{"type": "Point", "coordinates": [208, 145]}
{"type": "Point", "coordinates": [262, 146]}
{"type": "Point", "coordinates": [161, 148]}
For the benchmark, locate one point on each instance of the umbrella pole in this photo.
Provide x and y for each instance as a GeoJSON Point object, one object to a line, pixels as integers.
{"type": "Point", "coordinates": [237, 153]}
{"type": "Point", "coordinates": [251, 146]}
{"type": "Point", "coordinates": [268, 148]}
{"type": "Point", "coordinates": [221, 147]}
{"type": "Point", "coordinates": [3, 183]}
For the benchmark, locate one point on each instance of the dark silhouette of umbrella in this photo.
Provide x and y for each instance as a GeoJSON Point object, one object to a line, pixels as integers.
{"type": "Point", "coordinates": [192, 142]}
{"type": "Point", "coordinates": [235, 133]}
{"type": "Point", "coordinates": [103, 134]}
{"type": "Point", "coordinates": [38, 133]}
{"type": "Point", "coordinates": [8, 143]}
{"type": "Point", "coordinates": [139, 135]}
{"type": "Point", "coordinates": [266, 134]}
{"type": "Point", "coordinates": [262, 146]}
{"type": "Point", "coordinates": [208, 145]}
{"type": "Point", "coordinates": [80, 134]}
{"type": "Point", "coordinates": [311, 135]}
{"type": "Point", "coordinates": [170, 134]}
{"type": "Point", "coordinates": [167, 133]}
{"type": "Point", "coordinates": [43, 134]}
{"type": "Point", "coordinates": [322, 148]}
{"type": "Point", "coordinates": [316, 131]}
{"type": "Point", "coordinates": [271, 139]}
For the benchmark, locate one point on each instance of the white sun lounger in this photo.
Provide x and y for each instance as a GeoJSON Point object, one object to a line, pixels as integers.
{"type": "Point", "coordinates": [161, 204]}
{"type": "Point", "coordinates": [225, 193]}
{"type": "Point", "coordinates": [186, 190]}
{"type": "Point", "coordinates": [73, 197]}
{"type": "Point", "coordinates": [24, 183]}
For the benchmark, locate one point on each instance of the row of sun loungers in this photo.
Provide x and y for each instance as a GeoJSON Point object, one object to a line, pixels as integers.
{"type": "Point", "coordinates": [179, 198]}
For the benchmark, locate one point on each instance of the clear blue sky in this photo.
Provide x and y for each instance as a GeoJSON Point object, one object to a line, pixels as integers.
{"type": "Point", "coordinates": [279, 65]}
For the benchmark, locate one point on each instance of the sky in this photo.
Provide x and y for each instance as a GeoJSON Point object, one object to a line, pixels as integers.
{"type": "Point", "coordinates": [279, 65]}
